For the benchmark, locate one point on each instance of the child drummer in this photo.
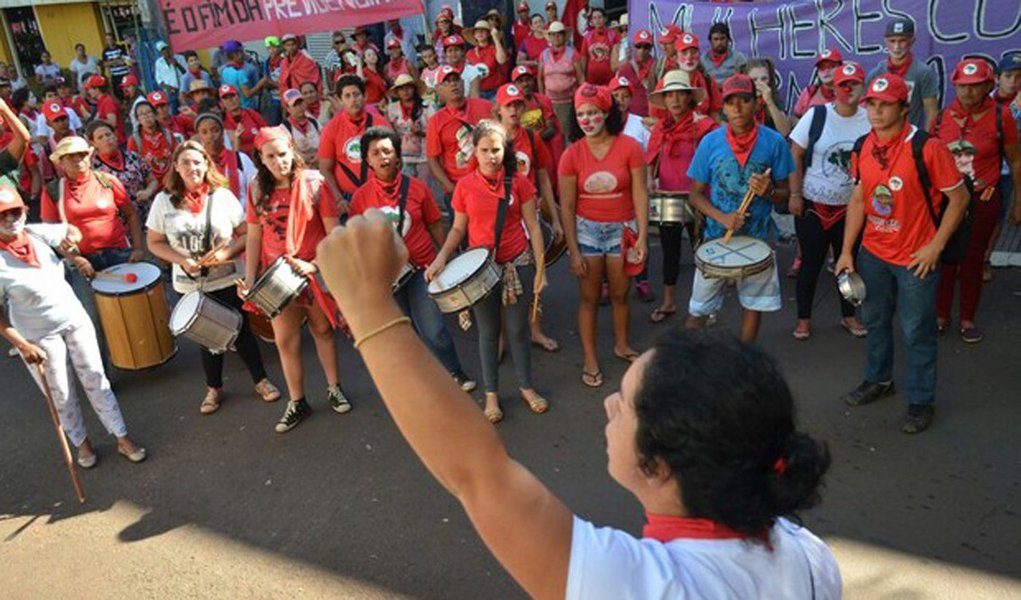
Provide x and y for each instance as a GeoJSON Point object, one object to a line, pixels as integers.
{"type": "Point", "coordinates": [743, 156]}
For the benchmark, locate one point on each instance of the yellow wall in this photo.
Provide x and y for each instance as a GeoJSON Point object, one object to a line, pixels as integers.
{"type": "Point", "coordinates": [64, 25]}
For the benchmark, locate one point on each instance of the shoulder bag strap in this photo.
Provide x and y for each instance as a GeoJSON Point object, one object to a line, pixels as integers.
{"type": "Point", "coordinates": [207, 241]}
{"type": "Point", "coordinates": [501, 215]}
{"type": "Point", "coordinates": [535, 157]}
{"type": "Point", "coordinates": [814, 133]}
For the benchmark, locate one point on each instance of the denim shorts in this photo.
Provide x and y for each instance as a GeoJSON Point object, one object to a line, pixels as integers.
{"type": "Point", "coordinates": [596, 238]}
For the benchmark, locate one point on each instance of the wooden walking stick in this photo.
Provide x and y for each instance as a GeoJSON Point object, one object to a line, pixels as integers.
{"type": "Point", "coordinates": [60, 435]}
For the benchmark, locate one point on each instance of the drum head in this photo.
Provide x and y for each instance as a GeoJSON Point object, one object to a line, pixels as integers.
{"type": "Point", "coordinates": [459, 270]}
{"type": "Point", "coordinates": [145, 275]}
{"type": "Point", "coordinates": [185, 311]}
{"type": "Point", "coordinates": [742, 251]}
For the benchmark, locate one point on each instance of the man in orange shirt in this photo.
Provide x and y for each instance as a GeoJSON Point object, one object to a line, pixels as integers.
{"type": "Point", "coordinates": [340, 146]}
{"type": "Point", "coordinates": [902, 240]}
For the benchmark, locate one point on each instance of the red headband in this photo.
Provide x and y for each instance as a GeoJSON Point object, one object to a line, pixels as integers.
{"type": "Point", "coordinates": [596, 95]}
{"type": "Point", "coordinates": [270, 134]}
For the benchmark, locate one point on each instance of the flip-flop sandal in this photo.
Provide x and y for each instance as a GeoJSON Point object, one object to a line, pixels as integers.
{"type": "Point", "coordinates": [592, 380]}
{"type": "Point", "coordinates": [210, 404]}
{"type": "Point", "coordinates": [495, 415]}
{"type": "Point", "coordinates": [550, 345]}
{"type": "Point", "coordinates": [630, 357]}
{"type": "Point", "coordinates": [858, 332]}
{"type": "Point", "coordinates": [801, 335]}
{"type": "Point", "coordinates": [659, 315]}
{"type": "Point", "coordinates": [537, 404]}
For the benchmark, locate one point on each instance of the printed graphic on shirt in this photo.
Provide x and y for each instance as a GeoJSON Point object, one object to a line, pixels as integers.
{"type": "Point", "coordinates": [353, 150]}
{"type": "Point", "coordinates": [524, 163]}
{"type": "Point", "coordinates": [465, 146]}
{"type": "Point", "coordinates": [599, 52]}
{"type": "Point", "coordinates": [393, 214]}
{"type": "Point", "coordinates": [600, 182]}
{"type": "Point", "coordinates": [533, 120]}
{"type": "Point", "coordinates": [882, 204]}
{"type": "Point", "coordinates": [837, 162]}
{"type": "Point", "coordinates": [964, 158]}
{"type": "Point", "coordinates": [911, 89]}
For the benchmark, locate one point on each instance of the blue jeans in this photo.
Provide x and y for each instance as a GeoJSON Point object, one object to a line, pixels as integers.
{"type": "Point", "coordinates": [414, 300]}
{"type": "Point", "coordinates": [517, 335]}
{"type": "Point", "coordinates": [889, 289]}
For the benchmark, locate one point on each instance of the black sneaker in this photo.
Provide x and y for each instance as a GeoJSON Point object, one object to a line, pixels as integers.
{"type": "Point", "coordinates": [296, 412]}
{"type": "Point", "coordinates": [918, 418]}
{"type": "Point", "coordinates": [466, 383]}
{"type": "Point", "coordinates": [867, 393]}
{"type": "Point", "coordinates": [338, 402]}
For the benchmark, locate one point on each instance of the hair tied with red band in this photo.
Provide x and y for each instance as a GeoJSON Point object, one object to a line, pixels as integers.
{"type": "Point", "coordinates": [596, 95]}
{"type": "Point", "coordinates": [271, 134]}
{"type": "Point", "coordinates": [780, 466]}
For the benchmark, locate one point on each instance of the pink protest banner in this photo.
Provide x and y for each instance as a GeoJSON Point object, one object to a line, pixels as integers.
{"type": "Point", "coordinates": [205, 23]}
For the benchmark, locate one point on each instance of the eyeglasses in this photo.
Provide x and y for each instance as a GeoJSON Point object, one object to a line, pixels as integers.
{"type": "Point", "coordinates": [338, 42]}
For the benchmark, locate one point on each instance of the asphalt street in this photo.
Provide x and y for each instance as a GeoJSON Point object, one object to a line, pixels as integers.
{"type": "Point", "coordinates": [340, 507]}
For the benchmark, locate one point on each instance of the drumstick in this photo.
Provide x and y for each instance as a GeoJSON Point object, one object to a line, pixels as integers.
{"type": "Point", "coordinates": [65, 448]}
{"type": "Point", "coordinates": [748, 197]}
{"type": "Point", "coordinates": [128, 277]}
{"type": "Point", "coordinates": [204, 261]}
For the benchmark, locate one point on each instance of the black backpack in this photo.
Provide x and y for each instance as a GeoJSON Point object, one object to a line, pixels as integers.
{"type": "Point", "coordinates": [814, 133]}
{"type": "Point", "coordinates": [957, 245]}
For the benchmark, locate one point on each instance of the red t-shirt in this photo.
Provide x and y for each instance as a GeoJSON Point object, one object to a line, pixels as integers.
{"type": "Point", "coordinates": [106, 106]}
{"type": "Point", "coordinates": [341, 140]}
{"type": "Point", "coordinates": [533, 47]}
{"type": "Point", "coordinates": [897, 222]}
{"type": "Point", "coordinates": [274, 225]}
{"type": "Point", "coordinates": [485, 57]}
{"type": "Point", "coordinates": [30, 160]}
{"type": "Point", "coordinates": [448, 135]}
{"type": "Point", "coordinates": [984, 169]}
{"type": "Point", "coordinates": [521, 31]}
{"type": "Point", "coordinates": [604, 186]}
{"type": "Point", "coordinates": [530, 158]}
{"type": "Point", "coordinates": [375, 86]}
{"type": "Point", "coordinates": [596, 48]}
{"type": "Point", "coordinates": [420, 211]}
{"type": "Point", "coordinates": [252, 122]}
{"type": "Point", "coordinates": [477, 198]}
{"type": "Point", "coordinates": [93, 207]}
{"type": "Point", "coordinates": [157, 150]}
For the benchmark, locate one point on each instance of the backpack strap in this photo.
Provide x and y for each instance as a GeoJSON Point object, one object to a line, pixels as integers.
{"type": "Point", "coordinates": [856, 151]}
{"type": "Point", "coordinates": [814, 133]}
{"type": "Point", "coordinates": [918, 153]}
{"type": "Point", "coordinates": [937, 123]}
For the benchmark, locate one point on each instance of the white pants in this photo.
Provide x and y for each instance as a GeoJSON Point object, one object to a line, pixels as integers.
{"type": "Point", "coordinates": [77, 346]}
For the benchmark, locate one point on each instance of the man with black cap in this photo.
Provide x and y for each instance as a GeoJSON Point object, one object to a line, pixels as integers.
{"type": "Point", "coordinates": [722, 60]}
{"type": "Point", "coordinates": [894, 208]}
{"type": "Point", "coordinates": [923, 101]}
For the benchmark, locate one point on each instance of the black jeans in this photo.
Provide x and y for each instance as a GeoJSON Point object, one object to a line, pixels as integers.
{"type": "Point", "coordinates": [814, 241]}
{"type": "Point", "coordinates": [670, 238]}
{"type": "Point", "coordinates": [246, 345]}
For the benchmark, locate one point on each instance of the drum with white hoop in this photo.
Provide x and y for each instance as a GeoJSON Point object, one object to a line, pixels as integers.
{"type": "Point", "coordinates": [276, 288]}
{"type": "Point", "coordinates": [132, 309]}
{"type": "Point", "coordinates": [407, 272]}
{"type": "Point", "coordinates": [468, 278]}
{"type": "Point", "coordinates": [742, 257]}
{"type": "Point", "coordinates": [670, 208]}
{"type": "Point", "coordinates": [202, 319]}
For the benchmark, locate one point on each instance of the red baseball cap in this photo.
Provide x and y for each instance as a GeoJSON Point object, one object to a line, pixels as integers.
{"type": "Point", "coordinates": [551, 4]}
{"type": "Point", "coordinates": [669, 34]}
{"type": "Point", "coordinates": [829, 55]}
{"type": "Point", "coordinates": [10, 199]}
{"type": "Point", "coordinates": [685, 41]}
{"type": "Point", "coordinates": [972, 70]}
{"type": "Point", "coordinates": [620, 83]}
{"type": "Point", "coordinates": [129, 80]}
{"type": "Point", "coordinates": [452, 40]}
{"type": "Point", "coordinates": [888, 88]}
{"type": "Point", "coordinates": [738, 84]}
{"type": "Point", "coordinates": [522, 7]}
{"type": "Point", "coordinates": [95, 81]}
{"type": "Point", "coordinates": [227, 89]}
{"type": "Point", "coordinates": [522, 71]}
{"type": "Point", "coordinates": [849, 71]}
{"type": "Point", "coordinates": [642, 36]}
{"type": "Point", "coordinates": [446, 71]}
{"type": "Point", "coordinates": [54, 111]}
{"type": "Point", "coordinates": [157, 98]}
{"type": "Point", "coordinates": [509, 94]}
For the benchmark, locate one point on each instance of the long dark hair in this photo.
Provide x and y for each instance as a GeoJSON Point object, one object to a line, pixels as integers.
{"type": "Point", "coordinates": [718, 413]}
{"type": "Point", "coordinates": [267, 182]}
{"type": "Point", "coordinates": [614, 122]}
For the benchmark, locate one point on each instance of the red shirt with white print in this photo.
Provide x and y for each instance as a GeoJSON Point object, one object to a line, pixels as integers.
{"type": "Point", "coordinates": [420, 211]}
{"type": "Point", "coordinates": [479, 197]}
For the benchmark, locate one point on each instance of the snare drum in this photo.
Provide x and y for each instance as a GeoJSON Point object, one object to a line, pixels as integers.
{"type": "Point", "coordinates": [277, 287]}
{"type": "Point", "coordinates": [670, 208]}
{"type": "Point", "coordinates": [742, 257]}
{"type": "Point", "coordinates": [407, 272]}
{"type": "Point", "coordinates": [202, 319]}
{"type": "Point", "coordinates": [553, 250]}
{"type": "Point", "coordinates": [134, 316]}
{"type": "Point", "coordinates": [468, 278]}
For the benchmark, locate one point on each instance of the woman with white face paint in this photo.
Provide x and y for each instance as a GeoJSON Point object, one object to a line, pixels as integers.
{"type": "Point", "coordinates": [823, 91]}
{"type": "Point", "coordinates": [605, 210]}
{"type": "Point", "coordinates": [46, 323]}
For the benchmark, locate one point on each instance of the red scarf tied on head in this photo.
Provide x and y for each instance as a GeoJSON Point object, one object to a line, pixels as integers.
{"type": "Point", "coordinates": [22, 249]}
{"type": "Point", "coordinates": [670, 135]}
{"type": "Point", "coordinates": [902, 69]}
{"type": "Point", "coordinates": [742, 144]}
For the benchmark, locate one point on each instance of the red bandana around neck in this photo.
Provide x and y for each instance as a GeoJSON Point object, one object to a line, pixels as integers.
{"type": "Point", "coordinates": [666, 528]}
{"type": "Point", "coordinates": [668, 137]}
{"type": "Point", "coordinates": [22, 249]}
{"type": "Point", "coordinates": [902, 69]}
{"type": "Point", "coordinates": [388, 190]}
{"type": "Point", "coordinates": [828, 94]}
{"type": "Point", "coordinates": [742, 144]}
{"type": "Point", "coordinates": [886, 151]}
{"type": "Point", "coordinates": [114, 160]}
{"type": "Point", "coordinates": [717, 59]}
{"type": "Point", "coordinates": [961, 113]}
{"type": "Point", "coordinates": [195, 200]}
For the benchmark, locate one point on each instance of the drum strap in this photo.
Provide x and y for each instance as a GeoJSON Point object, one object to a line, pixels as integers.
{"type": "Point", "coordinates": [501, 215]}
{"type": "Point", "coordinates": [402, 204]}
{"type": "Point", "coordinates": [364, 171]}
{"type": "Point", "coordinates": [207, 244]}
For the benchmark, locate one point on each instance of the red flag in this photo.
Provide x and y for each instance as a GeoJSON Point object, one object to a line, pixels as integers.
{"type": "Point", "coordinates": [576, 20]}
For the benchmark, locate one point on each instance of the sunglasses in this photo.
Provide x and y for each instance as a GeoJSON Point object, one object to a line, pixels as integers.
{"type": "Point", "coordinates": [338, 42]}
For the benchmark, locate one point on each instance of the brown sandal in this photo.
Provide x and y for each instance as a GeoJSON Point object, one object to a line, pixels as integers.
{"type": "Point", "coordinates": [211, 403]}
{"type": "Point", "coordinates": [537, 404]}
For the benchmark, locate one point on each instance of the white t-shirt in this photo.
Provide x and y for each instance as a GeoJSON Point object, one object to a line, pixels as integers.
{"type": "Point", "coordinates": [38, 300]}
{"type": "Point", "coordinates": [636, 130]}
{"type": "Point", "coordinates": [610, 564]}
{"type": "Point", "coordinates": [81, 69]}
{"type": "Point", "coordinates": [246, 175]}
{"type": "Point", "coordinates": [828, 180]}
{"type": "Point", "coordinates": [186, 233]}
{"type": "Point", "coordinates": [468, 75]}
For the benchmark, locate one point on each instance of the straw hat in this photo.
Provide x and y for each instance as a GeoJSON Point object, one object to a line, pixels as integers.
{"type": "Point", "coordinates": [404, 79]}
{"type": "Point", "coordinates": [676, 81]}
{"type": "Point", "coordinates": [199, 85]}
{"type": "Point", "coordinates": [69, 145]}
